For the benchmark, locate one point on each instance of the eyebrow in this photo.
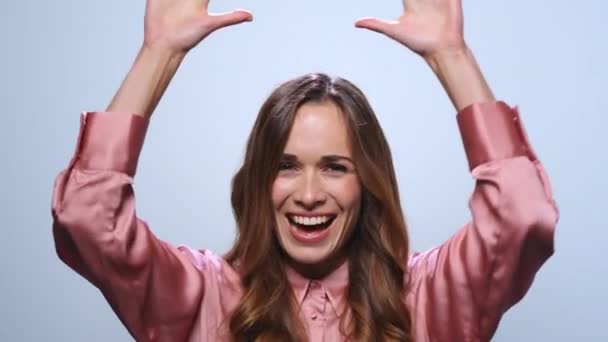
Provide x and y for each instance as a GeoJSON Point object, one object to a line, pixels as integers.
{"type": "Point", "coordinates": [325, 159]}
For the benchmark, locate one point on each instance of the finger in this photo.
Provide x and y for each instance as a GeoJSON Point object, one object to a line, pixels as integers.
{"type": "Point", "coordinates": [232, 18]}
{"type": "Point", "coordinates": [377, 25]}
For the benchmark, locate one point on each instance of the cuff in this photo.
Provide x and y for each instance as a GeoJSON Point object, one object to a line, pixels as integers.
{"type": "Point", "coordinates": [110, 141]}
{"type": "Point", "coordinates": [492, 131]}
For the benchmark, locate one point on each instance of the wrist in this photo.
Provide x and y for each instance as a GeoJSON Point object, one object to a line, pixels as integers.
{"type": "Point", "coordinates": [446, 58]}
{"type": "Point", "coordinates": [160, 57]}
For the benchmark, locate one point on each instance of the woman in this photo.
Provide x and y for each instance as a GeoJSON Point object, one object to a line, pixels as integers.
{"type": "Point", "coordinates": [322, 249]}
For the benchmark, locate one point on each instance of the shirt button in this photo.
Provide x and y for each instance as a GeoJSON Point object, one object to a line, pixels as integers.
{"type": "Point", "coordinates": [314, 317]}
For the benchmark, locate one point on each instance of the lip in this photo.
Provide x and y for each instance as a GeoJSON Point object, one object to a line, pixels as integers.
{"type": "Point", "coordinates": [311, 237]}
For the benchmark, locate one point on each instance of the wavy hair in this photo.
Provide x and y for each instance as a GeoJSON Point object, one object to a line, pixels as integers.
{"type": "Point", "coordinates": [377, 250]}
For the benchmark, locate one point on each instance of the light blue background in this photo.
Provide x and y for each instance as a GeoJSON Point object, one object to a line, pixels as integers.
{"type": "Point", "coordinates": [61, 57]}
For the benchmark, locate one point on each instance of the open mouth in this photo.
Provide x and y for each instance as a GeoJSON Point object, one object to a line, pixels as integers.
{"type": "Point", "coordinates": [311, 223]}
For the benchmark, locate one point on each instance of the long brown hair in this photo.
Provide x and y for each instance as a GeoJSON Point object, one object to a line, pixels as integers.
{"type": "Point", "coordinates": [377, 250]}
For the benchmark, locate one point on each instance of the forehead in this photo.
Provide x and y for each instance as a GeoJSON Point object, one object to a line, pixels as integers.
{"type": "Point", "coordinates": [319, 129]}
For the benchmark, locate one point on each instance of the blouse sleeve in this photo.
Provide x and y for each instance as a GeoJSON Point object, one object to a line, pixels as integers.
{"type": "Point", "coordinates": [463, 287]}
{"type": "Point", "coordinates": [154, 288]}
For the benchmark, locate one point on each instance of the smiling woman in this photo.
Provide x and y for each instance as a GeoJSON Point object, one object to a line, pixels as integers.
{"type": "Point", "coordinates": [322, 249]}
{"type": "Point", "coordinates": [332, 186]}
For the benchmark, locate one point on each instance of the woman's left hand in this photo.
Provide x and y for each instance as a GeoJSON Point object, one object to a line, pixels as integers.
{"type": "Point", "coordinates": [426, 27]}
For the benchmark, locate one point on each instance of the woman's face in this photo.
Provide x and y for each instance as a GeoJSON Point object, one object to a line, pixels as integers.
{"type": "Point", "coordinates": [316, 194]}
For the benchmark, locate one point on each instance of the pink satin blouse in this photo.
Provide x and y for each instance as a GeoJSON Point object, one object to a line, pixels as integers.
{"type": "Point", "coordinates": [458, 290]}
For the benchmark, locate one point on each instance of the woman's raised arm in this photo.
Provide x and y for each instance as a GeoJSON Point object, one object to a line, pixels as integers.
{"type": "Point", "coordinates": [461, 289]}
{"type": "Point", "coordinates": [153, 287]}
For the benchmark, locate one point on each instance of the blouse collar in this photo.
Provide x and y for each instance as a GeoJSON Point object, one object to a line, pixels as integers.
{"type": "Point", "coordinates": [334, 285]}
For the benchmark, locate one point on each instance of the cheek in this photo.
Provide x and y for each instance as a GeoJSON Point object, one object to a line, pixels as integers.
{"type": "Point", "coordinates": [347, 193]}
{"type": "Point", "coordinates": [280, 192]}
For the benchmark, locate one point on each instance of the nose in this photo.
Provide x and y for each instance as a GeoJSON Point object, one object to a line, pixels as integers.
{"type": "Point", "coordinates": [310, 193]}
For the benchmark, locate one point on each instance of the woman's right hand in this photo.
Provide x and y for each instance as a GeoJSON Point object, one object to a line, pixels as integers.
{"type": "Point", "coordinates": [179, 25]}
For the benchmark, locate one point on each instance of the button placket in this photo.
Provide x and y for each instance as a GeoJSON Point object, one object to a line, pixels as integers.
{"type": "Point", "coordinates": [317, 303]}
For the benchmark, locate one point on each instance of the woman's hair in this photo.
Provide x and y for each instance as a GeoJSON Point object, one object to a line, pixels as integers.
{"type": "Point", "coordinates": [377, 250]}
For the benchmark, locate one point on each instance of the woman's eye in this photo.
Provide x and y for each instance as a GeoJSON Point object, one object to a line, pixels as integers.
{"type": "Point", "coordinates": [286, 165]}
{"type": "Point", "coordinates": [333, 167]}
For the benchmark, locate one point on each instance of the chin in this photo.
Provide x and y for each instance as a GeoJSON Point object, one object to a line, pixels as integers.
{"type": "Point", "coordinates": [307, 256]}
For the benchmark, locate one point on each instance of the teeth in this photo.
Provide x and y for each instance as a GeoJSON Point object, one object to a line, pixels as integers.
{"type": "Point", "coordinates": [310, 221]}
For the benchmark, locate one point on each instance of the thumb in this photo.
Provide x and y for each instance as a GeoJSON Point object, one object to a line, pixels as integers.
{"type": "Point", "coordinates": [231, 18]}
{"type": "Point", "coordinates": [386, 27]}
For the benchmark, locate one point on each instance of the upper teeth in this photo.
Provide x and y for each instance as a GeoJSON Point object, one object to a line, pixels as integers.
{"type": "Point", "coordinates": [310, 221]}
